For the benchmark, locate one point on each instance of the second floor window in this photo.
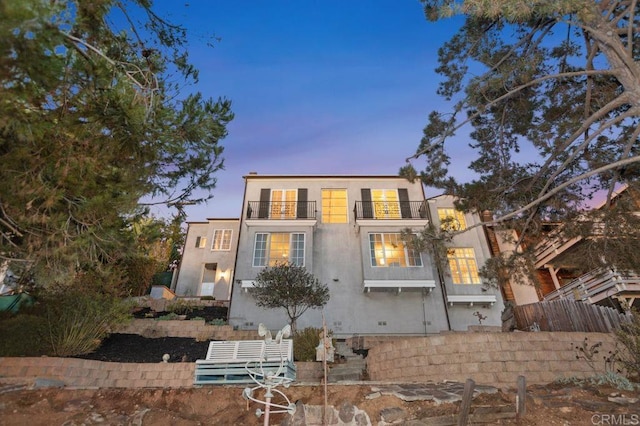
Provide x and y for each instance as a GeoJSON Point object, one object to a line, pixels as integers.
{"type": "Point", "coordinates": [389, 250]}
{"type": "Point", "coordinates": [221, 239]}
{"type": "Point", "coordinates": [273, 248]}
{"type": "Point", "coordinates": [201, 242]}
{"type": "Point", "coordinates": [451, 219]}
{"type": "Point", "coordinates": [334, 206]}
{"type": "Point", "coordinates": [464, 269]}
{"type": "Point", "coordinates": [385, 203]}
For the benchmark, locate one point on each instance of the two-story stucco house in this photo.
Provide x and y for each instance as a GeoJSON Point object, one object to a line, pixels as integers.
{"type": "Point", "coordinates": [208, 259]}
{"type": "Point", "coordinates": [346, 231]}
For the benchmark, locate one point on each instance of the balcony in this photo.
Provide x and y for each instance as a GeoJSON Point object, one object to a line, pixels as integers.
{"type": "Point", "coordinates": [283, 212]}
{"type": "Point", "coordinates": [402, 213]}
{"type": "Point", "coordinates": [598, 285]}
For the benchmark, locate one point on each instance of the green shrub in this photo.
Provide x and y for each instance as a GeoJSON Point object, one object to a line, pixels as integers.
{"type": "Point", "coordinates": [217, 321]}
{"type": "Point", "coordinates": [168, 317]}
{"type": "Point", "coordinates": [78, 319]}
{"type": "Point", "coordinates": [22, 335]}
{"type": "Point", "coordinates": [607, 379]}
{"type": "Point", "coordinates": [305, 343]}
{"type": "Point", "coordinates": [140, 271]}
{"type": "Point", "coordinates": [629, 337]}
{"type": "Point", "coordinates": [68, 322]}
{"type": "Point", "coordinates": [181, 307]}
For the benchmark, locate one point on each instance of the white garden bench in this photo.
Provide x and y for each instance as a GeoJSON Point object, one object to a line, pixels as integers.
{"type": "Point", "coordinates": [227, 361]}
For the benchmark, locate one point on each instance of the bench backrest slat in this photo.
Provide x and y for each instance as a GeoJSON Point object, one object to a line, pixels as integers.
{"type": "Point", "coordinates": [249, 351]}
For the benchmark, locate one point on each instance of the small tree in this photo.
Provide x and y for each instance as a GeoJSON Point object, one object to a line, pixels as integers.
{"type": "Point", "coordinates": [291, 287]}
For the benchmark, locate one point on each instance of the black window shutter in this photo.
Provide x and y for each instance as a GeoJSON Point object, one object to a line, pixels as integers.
{"type": "Point", "coordinates": [198, 242]}
{"type": "Point", "coordinates": [302, 203]}
{"type": "Point", "coordinates": [405, 206]}
{"type": "Point", "coordinates": [263, 209]}
{"type": "Point", "coordinates": [367, 207]}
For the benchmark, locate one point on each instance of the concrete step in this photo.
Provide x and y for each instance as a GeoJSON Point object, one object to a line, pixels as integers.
{"type": "Point", "coordinates": [344, 378]}
{"type": "Point", "coordinates": [352, 369]}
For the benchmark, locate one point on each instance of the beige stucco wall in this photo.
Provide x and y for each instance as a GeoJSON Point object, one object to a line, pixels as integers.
{"type": "Point", "coordinates": [190, 274]}
{"type": "Point", "coordinates": [339, 256]}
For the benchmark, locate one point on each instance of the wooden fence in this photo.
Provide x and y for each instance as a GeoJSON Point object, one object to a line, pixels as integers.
{"type": "Point", "coordinates": [568, 315]}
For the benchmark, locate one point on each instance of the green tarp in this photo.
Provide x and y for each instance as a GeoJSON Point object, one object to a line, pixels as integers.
{"type": "Point", "coordinates": [13, 302]}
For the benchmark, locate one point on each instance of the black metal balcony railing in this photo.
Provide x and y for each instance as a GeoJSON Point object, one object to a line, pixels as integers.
{"type": "Point", "coordinates": [385, 210]}
{"type": "Point", "coordinates": [281, 210]}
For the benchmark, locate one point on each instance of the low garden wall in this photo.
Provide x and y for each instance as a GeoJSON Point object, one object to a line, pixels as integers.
{"type": "Point", "coordinates": [196, 329]}
{"type": "Point", "coordinates": [487, 358]}
{"type": "Point", "coordinates": [72, 372]}
{"type": "Point", "coordinates": [81, 373]}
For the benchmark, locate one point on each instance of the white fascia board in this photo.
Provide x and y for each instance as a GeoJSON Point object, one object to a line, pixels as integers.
{"type": "Point", "coordinates": [472, 298]}
{"type": "Point", "coordinates": [399, 284]}
{"type": "Point", "coordinates": [281, 222]}
{"type": "Point", "coordinates": [246, 285]}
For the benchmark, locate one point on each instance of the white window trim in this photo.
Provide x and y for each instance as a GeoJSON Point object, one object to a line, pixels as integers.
{"type": "Point", "coordinates": [454, 224]}
{"type": "Point", "coordinates": [283, 207]}
{"type": "Point", "coordinates": [268, 247]}
{"type": "Point", "coordinates": [475, 260]}
{"type": "Point", "coordinates": [406, 253]}
{"type": "Point", "coordinates": [201, 242]}
{"type": "Point", "coordinates": [346, 193]}
{"type": "Point", "coordinates": [222, 231]}
{"type": "Point", "coordinates": [390, 204]}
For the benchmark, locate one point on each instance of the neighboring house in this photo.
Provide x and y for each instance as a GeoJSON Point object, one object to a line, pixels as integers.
{"type": "Point", "coordinates": [559, 277]}
{"type": "Point", "coordinates": [346, 231]}
{"type": "Point", "coordinates": [208, 259]}
{"type": "Point", "coordinates": [519, 290]}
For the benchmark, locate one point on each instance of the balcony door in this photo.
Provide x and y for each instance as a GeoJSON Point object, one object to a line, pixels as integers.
{"type": "Point", "coordinates": [385, 203]}
{"type": "Point", "coordinates": [283, 203]}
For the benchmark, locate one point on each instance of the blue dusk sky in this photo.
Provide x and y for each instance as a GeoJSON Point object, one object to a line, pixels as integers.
{"type": "Point", "coordinates": [317, 87]}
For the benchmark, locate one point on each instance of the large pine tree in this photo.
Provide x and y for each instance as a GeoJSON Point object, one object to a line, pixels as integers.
{"type": "Point", "coordinates": [93, 118]}
{"type": "Point", "coordinates": [549, 94]}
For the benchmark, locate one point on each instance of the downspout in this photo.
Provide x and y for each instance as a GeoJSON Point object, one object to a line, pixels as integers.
{"type": "Point", "coordinates": [232, 281]}
{"type": "Point", "coordinates": [439, 273]}
{"type": "Point", "coordinates": [424, 311]}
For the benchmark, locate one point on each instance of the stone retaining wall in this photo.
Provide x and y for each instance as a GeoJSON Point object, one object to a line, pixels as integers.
{"type": "Point", "coordinates": [88, 373]}
{"type": "Point", "coordinates": [196, 329]}
{"type": "Point", "coordinates": [80, 373]}
{"type": "Point", "coordinates": [488, 358]}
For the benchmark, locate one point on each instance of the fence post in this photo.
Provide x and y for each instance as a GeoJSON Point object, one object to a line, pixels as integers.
{"type": "Point", "coordinates": [465, 406]}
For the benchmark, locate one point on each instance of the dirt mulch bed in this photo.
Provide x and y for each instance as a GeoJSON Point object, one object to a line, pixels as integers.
{"type": "Point", "coordinates": [135, 348]}
{"type": "Point", "coordinates": [208, 313]}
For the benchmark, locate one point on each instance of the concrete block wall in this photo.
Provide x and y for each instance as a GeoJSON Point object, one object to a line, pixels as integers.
{"type": "Point", "coordinates": [82, 373]}
{"type": "Point", "coordinates": [309, 372]}
{"type": "Point", "coordinates": [196, 329]}
{"type": "Point", "coordinates": [488, 358]}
